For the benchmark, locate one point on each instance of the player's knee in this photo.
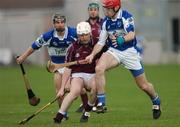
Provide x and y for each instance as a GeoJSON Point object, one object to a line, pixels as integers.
{"type": "Point", "coordinates": [73, 95]}
{"type": "Point", "coordinates": [144, 86]}
{"type": "Point", "coordinates": [83, 91]}
{"type": "Point", "coordinates": [99, 69]}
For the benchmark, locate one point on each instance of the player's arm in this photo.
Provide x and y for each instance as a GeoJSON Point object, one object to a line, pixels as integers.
{"type": "Point", "coordinates": [35, 45]}
{"type": "Point", "coordinates": [129, 36]}
{"type": "Point", "coordinates": [65, 82]}
{"type": "Point", "coordinates": [98, 47]}
{"type": "Point", "coordinates": [22, 57]}
{"type": "Point", "coordinates": [129, 27]}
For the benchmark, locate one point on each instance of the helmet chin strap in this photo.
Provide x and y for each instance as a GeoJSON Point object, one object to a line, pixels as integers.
{"type": "Point", "coordinates": [115, 12]}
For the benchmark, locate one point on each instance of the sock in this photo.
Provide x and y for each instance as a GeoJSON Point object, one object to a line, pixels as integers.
{"type": "Point", "coordinates": [156, 100]}
{"type": "Point", "coordinates": [96, 102]}
{"type": "Point", "coordinates": [66, 115]}
{"type": "Point", "coordinates": [101, 98]}
{"type": "Point", "coordinates": [89, 107]}
{"type": "Point", "coordinates": [84, 99]}
{"type": "Point", "coordinates": [63, 113]}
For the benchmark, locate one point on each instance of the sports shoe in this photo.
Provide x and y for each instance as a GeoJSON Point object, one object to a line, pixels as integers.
{"type": "Point", "coordinates": [85, 116]}
{"type": "Point", "coordinates": [65, 118]}
{"type": "Point", "coordinates": [58, 118]}
{"type": "Point", "coordinates": [80, 109]}
{"type": "Point", "coordinates": [94, 109]}
{"type": "Point", "coordinates": [101, 108]}
{"type": "Point", "coordinates": [156, 111]}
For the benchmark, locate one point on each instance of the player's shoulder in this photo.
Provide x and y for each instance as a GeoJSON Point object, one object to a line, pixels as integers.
{"type": "Point", "coordinates": [71, 30]}
{"type": "Point", "coordinates": [101, 20]}
{"type": "Point", "coordinates": [126, 14]}
{"type": "Point", "coordinates": [47, 35]}
{"type": "Point", "coordinates": [72, 34]}
{"type": "Point", "coordinates": [73, 46]}
{"type": "Point", "coordinates": [104, 20]}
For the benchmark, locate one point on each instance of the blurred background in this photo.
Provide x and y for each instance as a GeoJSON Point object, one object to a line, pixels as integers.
{"type": "Point", "coordinates": [157, 26]}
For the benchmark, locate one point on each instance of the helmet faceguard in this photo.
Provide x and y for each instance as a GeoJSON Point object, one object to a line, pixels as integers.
{"type": "Point", "coordinates": [84, 31]}
{"type": "Point", "coordinates": [58, 17]}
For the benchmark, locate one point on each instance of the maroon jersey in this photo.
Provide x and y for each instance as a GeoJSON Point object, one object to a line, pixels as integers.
{"type": "Point", "coordinates": [78, 51]}
{"type": "Point", "coordinates": [96, 29]}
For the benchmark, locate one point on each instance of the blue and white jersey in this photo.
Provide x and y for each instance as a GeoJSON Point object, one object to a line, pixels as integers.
{"type": "Point", "coordinates": [57, 46]}
{"type": "Point", "coordinates": [121, 25]}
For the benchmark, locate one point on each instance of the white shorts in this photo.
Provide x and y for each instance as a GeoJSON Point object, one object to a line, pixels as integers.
{"type": "Point", "coordinates": [61, 70]}
{"type": "Point", "coordinates": [85, 76]}
{"type": "Point", "coordinates": [129, 58]}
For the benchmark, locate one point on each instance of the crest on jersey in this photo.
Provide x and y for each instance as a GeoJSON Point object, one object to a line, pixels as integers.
{"type": "Point", "coordinates": [130, 20]}
{"type": "Point", "coordinates": [77, 55]}
{"type": "Point", "coordinates": [127, 22]}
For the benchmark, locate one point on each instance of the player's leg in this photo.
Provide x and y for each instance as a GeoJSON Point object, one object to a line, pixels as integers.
{"type": "Point", "coordinates": [149, 89]}
{"type": "Point", "coordinates": [75, 90]}
{"type": "Point", "coordinates": [84, 99]}
{"type": "Point", "coordinates": [58, 79]}
{"type": "Point", "coordinates": [90, 85]}
{"type": "Point", "coordinates": [105, 62]}
{"type": "Point", "coordinates": [131, 60]}
{"type": "Point", "coordinates": [57, 82]}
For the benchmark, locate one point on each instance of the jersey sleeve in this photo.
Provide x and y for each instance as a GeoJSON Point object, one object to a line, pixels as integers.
{"type": "Point", "coordinates": [72, 33]}
{"type": "Point", "coordinates": [42, 40]}
{"type": "Point", "coordinates": [103, 35]}
{"type": "Point", "coordinates": [128, 22]}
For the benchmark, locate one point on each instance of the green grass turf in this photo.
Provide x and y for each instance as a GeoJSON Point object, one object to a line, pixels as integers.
{"type": "Point", "coordinates": [127, 105]}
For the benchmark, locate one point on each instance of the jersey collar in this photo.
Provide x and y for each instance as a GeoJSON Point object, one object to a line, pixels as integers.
{"type": "Point", "coordinates": [65, 34]}
{"type": "Point", "coordinates": [118, 16]}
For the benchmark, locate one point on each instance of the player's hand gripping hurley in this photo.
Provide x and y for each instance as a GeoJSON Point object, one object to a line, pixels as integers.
{"type": "Point", "coordinates": [52, 67]}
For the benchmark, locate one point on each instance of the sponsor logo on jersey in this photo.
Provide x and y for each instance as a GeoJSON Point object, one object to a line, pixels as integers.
{"type": "Point", "coordinates": [55, 43]}
{"type": "Point", "coordinates": [119, 24]}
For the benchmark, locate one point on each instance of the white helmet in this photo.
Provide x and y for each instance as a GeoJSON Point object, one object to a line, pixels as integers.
{"type": "Point", "coordinates": [83, 28]}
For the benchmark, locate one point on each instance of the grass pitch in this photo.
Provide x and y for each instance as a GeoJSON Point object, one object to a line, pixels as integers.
{"type": "Point", "coordinates": [127, 105]}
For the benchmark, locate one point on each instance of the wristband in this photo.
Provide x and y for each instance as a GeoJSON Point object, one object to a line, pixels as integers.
{"type": "Point", "coordinates": [120, 40]}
